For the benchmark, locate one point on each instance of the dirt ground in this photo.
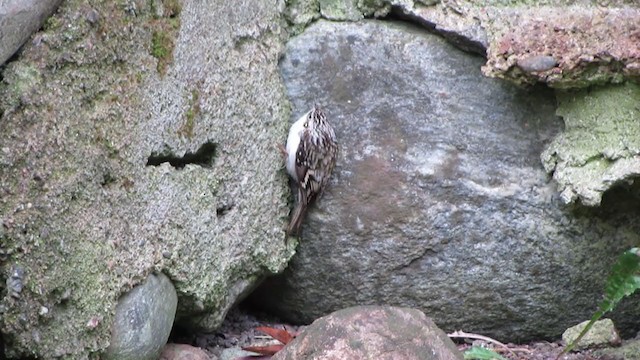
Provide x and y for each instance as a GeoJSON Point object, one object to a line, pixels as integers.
{"type": "Point", "coordinates": [239, 330]}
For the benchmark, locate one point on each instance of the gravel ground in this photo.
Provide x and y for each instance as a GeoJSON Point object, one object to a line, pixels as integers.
{"type": "Point", "coordinates": [239, 330]}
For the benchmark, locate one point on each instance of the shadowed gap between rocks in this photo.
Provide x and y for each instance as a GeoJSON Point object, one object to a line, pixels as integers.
{"type": "Point", "coordinates": [204, 157]}
{"type": "Point", "coordinates": [621, 198]}
{"type": "Point", "coordinates": [237, 330]}
{"type": "Point", "coordinates": [461, 42]}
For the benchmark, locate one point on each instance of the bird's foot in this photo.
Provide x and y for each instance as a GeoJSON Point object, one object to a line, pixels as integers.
{"type": "Point", "coordinates": [283, 151]}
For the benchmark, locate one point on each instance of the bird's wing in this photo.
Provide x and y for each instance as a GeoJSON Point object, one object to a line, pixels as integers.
{"type": "Point", "coordinates": [308, 166]}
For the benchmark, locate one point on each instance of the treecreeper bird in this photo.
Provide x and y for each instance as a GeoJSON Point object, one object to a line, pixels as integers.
{"type": "Point", "coordinates": [310, 155]}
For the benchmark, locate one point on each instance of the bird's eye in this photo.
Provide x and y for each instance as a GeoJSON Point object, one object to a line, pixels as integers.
{"type": "Point", "coordinates": [306, 124]}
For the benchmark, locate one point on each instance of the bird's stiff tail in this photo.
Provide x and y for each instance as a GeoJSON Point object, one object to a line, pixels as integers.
{"type": "Point", "coordinates": [298, 215]}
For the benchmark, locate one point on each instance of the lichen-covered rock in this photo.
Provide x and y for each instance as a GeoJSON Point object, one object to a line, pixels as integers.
{"type": "Point", "coordinates": [138, 136]}
{"type": "Point", "coordinates": [600, 145]}
{"type": "Point", "coordinates": [300, 13]}
{"type": "Point", "coordinates": [439, 200]}
{"type": "Point", "coordinates": [143, 321]}
{"type": "Point", "coordinates": [602, 334]}
{"type": "Point", "coordinates": [371, 332]}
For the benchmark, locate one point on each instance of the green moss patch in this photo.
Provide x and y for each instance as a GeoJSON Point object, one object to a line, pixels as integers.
{"type": "Point", "coordinates": [165, 25]}
{"type": "Point", "coordinates": [599, 147]}
{"type": "Point", "coordinates": [186, 130]}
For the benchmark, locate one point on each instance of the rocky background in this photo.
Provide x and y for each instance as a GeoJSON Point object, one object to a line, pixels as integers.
{"type": "Point", "coordinates": [440, 201]}
{"type": "Point", "coordinates": [140, 185]}
{"type": "Point", "coordinates": [138, 137]}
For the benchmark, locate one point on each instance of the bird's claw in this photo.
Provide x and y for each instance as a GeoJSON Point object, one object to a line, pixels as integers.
{"type": "Point", "coordinates": [282, 150]}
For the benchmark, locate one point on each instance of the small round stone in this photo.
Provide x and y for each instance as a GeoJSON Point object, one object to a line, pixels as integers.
{"type": "Point", "coordinates": [92, 16]}
{"type": "Point", "coordinates": [537, 63]}
{"type": "Point", "coordinates": [143, 321]}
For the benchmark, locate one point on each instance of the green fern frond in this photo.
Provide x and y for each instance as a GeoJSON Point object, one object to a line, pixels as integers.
{"type": "Point", "coordinates": [623, 281]}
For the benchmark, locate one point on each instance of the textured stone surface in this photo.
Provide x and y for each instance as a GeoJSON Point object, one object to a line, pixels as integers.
{"type": "Point", "coordinates": [439, 200]}
{"type": "Point", "coordinates": [565, 44]}
{"type": "Point", "coordinates": [600, 146]}
{"type": "Point", "coordinates": [602, 334]}
{"type": "Point", "coordinates": [112, 166]}
{"type": "Point", "coordinates": [629, 350]}
{"type": "Point", "coordinates": [183, 352]}
{"type": "Point", "coordinates": [143, 321]}
{"type": "Point", "coordinates": [299, 13]}
{"type": "Point", "coordinates": [591, 44]}
{"type": "Point", "coordinates": [574, 43]}
{"type": "Point", "coordinates": [234, 353]}
{"type": "Point", "coordinates": [460, 26]}
{"type": "Point", "coordinates": [371, 332]}
{"type": "Point", "coordinates": [19, 19]}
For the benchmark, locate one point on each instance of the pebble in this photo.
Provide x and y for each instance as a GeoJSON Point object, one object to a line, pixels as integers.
{"type": "Point", "coordinates": [183, 352]}
{"type": "Point", "coordinates": [537, 63]}
{"type": "Point", "coordinates": [15, 282]}
{"type": "Point", "coordinates": [92, 17]}
{"type": "Point", "coordinates": [603, 333]}
{"type": "Point", "coordinates": [144, 319]}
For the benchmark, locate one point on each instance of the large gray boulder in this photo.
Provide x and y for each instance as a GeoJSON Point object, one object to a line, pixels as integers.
{"type": "Point", "coordinates": [139, 136]}
{"type": "Point", "coordinates": [439, 200]}
{"type": "Point", "coordinates": [565, 44]}
{"type": "Point", "coordinates": [19, 19]}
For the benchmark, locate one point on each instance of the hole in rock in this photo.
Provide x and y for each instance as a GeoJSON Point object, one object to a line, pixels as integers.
{"type": "Point", "coordinates": [204, 157]}
{"type": "Point", "coordinates": [620, 201]}
{"type": "Point", "coordinates": [224, 209]}
{"type": "Point", "coordinates": [107, 179]}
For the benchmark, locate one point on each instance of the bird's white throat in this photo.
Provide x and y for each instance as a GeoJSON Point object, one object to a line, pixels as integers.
{"type": "Point", "coordinates": [293, 141]}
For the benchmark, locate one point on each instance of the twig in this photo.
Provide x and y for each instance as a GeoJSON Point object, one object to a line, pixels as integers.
{"type": "Point", "coordinates": [462, 334]}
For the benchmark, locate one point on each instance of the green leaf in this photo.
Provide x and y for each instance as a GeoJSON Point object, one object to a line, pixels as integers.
{"type": "Point", "coordinates": [480, 353]}
{"type": "Point", "coordinates": [623, 281]}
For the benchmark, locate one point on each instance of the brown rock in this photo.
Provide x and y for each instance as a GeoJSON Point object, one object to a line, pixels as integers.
{"type": "Point", "coordinates": [560, 43]}
{"type": "Point", "coordinates": [183, 352]}
{"type": "Point", "coordinates": [371, 332]}
{"type": "Point", "coordinates": [590, 45]}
